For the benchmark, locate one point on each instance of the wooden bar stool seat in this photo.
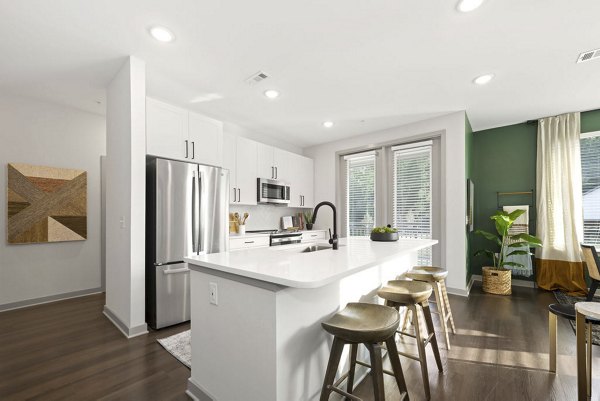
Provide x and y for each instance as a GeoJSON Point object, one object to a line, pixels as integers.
{"type": "Point", "coordinates": [368, 324]}
{"type": "Point", "coordinates": [436, 276]}
{"type": "Point", "coordinates": [414, 295]}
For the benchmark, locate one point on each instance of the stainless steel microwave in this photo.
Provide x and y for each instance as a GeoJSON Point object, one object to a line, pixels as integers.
{"type": "Point", "coordinates": [272, 191]}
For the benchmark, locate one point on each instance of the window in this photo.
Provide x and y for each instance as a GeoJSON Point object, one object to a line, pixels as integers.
{"type": "Point", "coordinates": [590, 171]}
{"type": "Point", "coordinates": [411, 195]}
{"type": "Point", "coordinates": [360, 193]}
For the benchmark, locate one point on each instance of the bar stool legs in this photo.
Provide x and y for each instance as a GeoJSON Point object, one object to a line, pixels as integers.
{"type": "Point", "coordinates": [423, 336]}
{"type": "Point", "coordinates": [371, 325]}
{"type": "Point", "coordinates": [436, 277]}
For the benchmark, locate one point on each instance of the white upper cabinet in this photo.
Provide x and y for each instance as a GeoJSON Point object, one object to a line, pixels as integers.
{"type": "Point", "coordinates": [274, 163]}
{"type": "Point", "coordinates": [176, 133]}
{"type": "Point", "coordinates": [166, 129]}
{"type": "Point", "coordinates": [265, 161]}
{"type": "Point", "coordinates": [246, 152]}
{"type": "Point", "coordinates": [240, 157]}
{"type": "Point", "coordinates": [300, 176]}
{"type": "Point", "coordinates": [205, 140]}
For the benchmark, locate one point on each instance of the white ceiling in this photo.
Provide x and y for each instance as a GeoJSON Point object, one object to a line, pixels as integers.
{"type": "Point", "coordinates": [366, 65]}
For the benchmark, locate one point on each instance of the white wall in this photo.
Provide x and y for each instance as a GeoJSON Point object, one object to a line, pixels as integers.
{"type": "Point", "coordinates": [47, 134]}
{"type": "Point", "coordinates": [451, 128]}
{"type": "Point", "coordinates": [235, 129]}
{"type": "Point", "coordinates": [126, 198]}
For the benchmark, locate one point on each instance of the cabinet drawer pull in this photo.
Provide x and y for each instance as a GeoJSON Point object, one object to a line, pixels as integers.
{"type": "Point", "coordinates": [248, 242]}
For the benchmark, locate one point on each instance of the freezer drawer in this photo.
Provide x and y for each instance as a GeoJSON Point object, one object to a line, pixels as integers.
{"type": "Point", "coordinates": [172, 294]}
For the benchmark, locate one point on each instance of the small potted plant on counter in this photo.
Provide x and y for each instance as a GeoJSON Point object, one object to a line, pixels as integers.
{"type": "Point", "coordinates": [308, 218]}
{"type": "Point", "coordinates": [497, 278]}
{"type": "Point", "coordinates": [384, 234]}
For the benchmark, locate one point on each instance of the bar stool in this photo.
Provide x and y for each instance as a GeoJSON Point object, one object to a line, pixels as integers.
{"type": "Point", "coordinates": [412, 294]}
{"type": "Point", "coordinates": [368, 324]}
{"type": "Point", "coordinates": [436, 276]}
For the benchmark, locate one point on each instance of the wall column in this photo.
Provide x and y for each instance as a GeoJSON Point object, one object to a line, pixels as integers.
{"type": "Point", "coordinates": [126, 198]}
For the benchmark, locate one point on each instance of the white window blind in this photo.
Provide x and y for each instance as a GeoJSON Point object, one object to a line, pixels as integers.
{"type": "Point", "coordinates": [412, 194]}
{"type": "Point", "coordinates": [360, 195]}
{"type": "Point", "coordinates": [590, 171]}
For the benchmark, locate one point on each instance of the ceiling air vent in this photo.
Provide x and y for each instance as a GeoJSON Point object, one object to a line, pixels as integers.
{"type": "Point", "coordinates": [589, 55]}
{"type": "Point", "coordinates": [256, 78]}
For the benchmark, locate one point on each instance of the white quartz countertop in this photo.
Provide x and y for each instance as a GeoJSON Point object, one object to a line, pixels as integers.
{"type": "Point", "coordinates": [287, 266]}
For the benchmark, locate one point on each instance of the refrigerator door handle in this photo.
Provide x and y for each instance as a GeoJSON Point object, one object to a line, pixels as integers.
{"type": "Point", "coordinates": [198, 223]}
{"type": "Point", "coordinates": [193, 225]}
{"type": "Point", "coordinates": [175, 271]}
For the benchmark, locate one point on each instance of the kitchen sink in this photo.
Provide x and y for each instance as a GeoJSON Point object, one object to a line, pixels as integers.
{"type": "Point", "coordinates": [314, 248]}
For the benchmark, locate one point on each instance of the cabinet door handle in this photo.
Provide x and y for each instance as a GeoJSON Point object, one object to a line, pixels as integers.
{"type": "Point", "coordinates": [239, 195]}
{"type": "Point", "coordinates": [276, 173]}
{"type": "Point", "coordinates": [303, 200]}
{"type": "Point", "coordinates": [272, 172]}
{"type": "Point", "coordinates": [186, 149]}
{"type": "Point", "coordinates": [193, 150]}
{"type": "Point", "coordinates": [234, 195]}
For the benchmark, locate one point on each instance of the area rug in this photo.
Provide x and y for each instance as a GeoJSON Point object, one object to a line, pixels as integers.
{"type": "Point", "coordinates": [565, 299]}
{"type": "Point", "coordinates": [180, 346]}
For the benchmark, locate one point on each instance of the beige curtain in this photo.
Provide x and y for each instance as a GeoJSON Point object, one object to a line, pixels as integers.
{"type": "Point", "coordinates": [559, 204]}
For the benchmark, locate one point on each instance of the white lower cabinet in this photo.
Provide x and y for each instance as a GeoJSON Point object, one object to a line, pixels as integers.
{"type": "Point", "coordinates": [248, 242]}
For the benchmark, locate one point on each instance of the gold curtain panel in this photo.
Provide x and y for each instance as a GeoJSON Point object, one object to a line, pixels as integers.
{"type": "Point", "coordinates": [46, 204]}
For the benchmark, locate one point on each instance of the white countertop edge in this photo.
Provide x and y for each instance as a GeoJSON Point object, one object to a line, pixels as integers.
{"type": "Point", "coordinates": [195, 265]}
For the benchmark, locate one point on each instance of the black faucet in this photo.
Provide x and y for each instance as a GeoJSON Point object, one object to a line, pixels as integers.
{"type": "Point", "coordinates": [333, 240]}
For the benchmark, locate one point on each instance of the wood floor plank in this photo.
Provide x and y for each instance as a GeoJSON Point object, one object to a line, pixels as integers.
{"type": "Point", "coordinates": [68, 350]}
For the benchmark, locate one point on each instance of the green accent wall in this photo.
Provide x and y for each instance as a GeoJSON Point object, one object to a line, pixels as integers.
{"type": "Point", "coordinates": [469, 174]}
{"type": "Point", "coordinates": [504, 160]}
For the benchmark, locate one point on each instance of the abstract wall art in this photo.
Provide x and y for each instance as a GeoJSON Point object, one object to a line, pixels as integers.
{"type": "Point", "coordinates": [46, 204]}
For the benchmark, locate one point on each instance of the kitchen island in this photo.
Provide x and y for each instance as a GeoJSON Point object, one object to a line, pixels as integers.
{"type": "Point", "coordinates": [256, 313]}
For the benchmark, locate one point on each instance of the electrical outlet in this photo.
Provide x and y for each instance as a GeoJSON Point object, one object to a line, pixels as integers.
{"type": "Point", "coordinates": [212, 293]}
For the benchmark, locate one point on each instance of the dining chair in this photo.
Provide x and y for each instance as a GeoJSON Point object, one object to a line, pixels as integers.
{"type": "Point", "coordinates": [592, 262]}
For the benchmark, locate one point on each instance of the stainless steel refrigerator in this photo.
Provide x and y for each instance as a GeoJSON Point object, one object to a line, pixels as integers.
{"type": "Point", "coordinates": [187, 208]}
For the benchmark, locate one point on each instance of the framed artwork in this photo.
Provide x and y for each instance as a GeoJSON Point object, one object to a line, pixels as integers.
{"type": "Point", "coordinates": [470, 204]}
{"type": "Point", "coordinates": [45, 204]}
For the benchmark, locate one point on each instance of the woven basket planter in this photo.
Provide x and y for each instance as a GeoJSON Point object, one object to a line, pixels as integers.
{"type": "Point", "coordinates": [496, 281]}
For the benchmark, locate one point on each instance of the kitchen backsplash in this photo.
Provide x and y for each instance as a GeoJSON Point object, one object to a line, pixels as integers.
{"type": "Point", "coordinates": [264, 217]}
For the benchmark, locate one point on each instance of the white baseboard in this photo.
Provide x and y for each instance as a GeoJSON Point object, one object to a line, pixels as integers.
{"type": "Point", "coordinates": [515, 282]}
{"type": "Point", "coordinates": [459, 292]}
{"type": "Point", "coordinates": [127, 331]}
{"type": "Point", "coordinates": [48, 299]}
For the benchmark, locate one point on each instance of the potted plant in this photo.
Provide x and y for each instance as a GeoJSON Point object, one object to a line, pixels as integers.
{"type": "Point", "coordinates": [308, 218]}
{"type": "Point", "coordinates": [497, 278]}
{"type": "Point", "coordinates": [384, 234]}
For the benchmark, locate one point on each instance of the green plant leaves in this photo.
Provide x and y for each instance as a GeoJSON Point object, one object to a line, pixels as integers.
{"type": "Point", "coordinates": [489, 236]}
{"type": "Point", "coordinates": [529, 239]}
{"type": "Point", "coordinates": [519, 253]}
{"type": "Point", "coordinates": [512, 264]}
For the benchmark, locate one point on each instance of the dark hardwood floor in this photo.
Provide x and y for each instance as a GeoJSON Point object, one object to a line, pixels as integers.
{"type": "Point", "coordinates": [68, 350]}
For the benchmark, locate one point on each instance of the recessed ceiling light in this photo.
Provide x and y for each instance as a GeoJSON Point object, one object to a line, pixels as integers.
{"type": "Point", "coordinates": [271, 93]}
{"type": "Point", "coordinates": [483, 79]}
{"type": "Point", "coordinates": [465, 6]}
{"type": "Point", "coordinates": [328, 124]}
{"type": "Point", "coordinates": [162, 34]}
